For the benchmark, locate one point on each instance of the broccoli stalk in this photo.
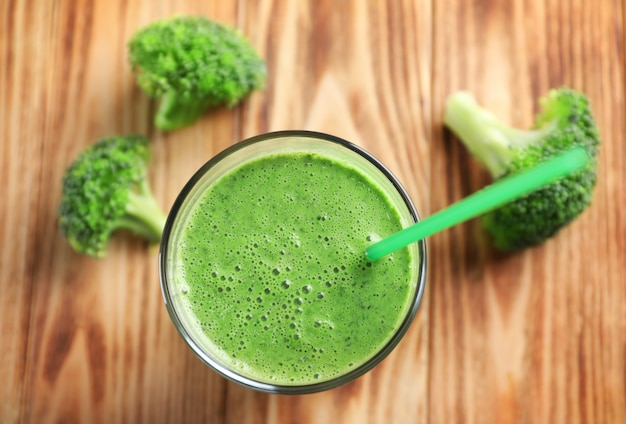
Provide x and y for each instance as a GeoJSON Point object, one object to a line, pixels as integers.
{"type": "Point", "coordinates": [490, 141]}
{"type": "Point", "coordinates": [175, 111]}
{"type": "Point", "coordinates": [105, 190]}
{"type": "Point", "coordinates": [565, 121]}
{"type": "Point", "coordinates": [193, 64]}
{"type": "Point", "coordinates": [142, 215]}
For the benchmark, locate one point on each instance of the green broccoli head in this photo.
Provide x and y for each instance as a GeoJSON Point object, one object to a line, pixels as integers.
{"type": "Point", "coordinates": [106, 189]}
{"type": "Point", "coordinates": [192, 64]}
{"type": "Point", "coordinates": [565, 121]}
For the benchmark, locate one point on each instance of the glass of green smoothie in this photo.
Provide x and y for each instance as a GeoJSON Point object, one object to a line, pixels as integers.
{"type": "Point", "coordinates": [263, 267]}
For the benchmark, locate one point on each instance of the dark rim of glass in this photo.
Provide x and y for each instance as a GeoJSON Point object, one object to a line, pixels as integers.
{"type": "Point", "coordinates": [277, 388]}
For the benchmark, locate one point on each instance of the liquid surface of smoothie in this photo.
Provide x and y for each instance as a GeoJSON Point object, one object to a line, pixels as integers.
{"type": "Point", "coordinates": [272, 269]}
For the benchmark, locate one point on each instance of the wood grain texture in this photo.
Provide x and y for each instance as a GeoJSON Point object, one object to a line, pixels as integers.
{"type": "Point", "coordinates": [538, 336]}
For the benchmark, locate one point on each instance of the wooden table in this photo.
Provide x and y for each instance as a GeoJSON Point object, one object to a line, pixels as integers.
{"type": "Point", "coordinates": [532, 337]}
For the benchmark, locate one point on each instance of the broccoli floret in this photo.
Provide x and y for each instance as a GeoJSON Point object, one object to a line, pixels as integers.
{"type": "Point", "coordinates": [564, 121]}
{"type": "Point", "coordinates": [106, 189]}
{"type": "Point", "coordinates": [193, 64]}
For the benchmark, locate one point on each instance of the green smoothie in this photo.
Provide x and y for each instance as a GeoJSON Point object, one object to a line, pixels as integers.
{"type": "Point", "coordinates": [271, 269]}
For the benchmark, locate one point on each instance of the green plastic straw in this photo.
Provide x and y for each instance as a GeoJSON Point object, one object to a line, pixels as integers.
{"type": "Point", "coordinates": [489, 198]}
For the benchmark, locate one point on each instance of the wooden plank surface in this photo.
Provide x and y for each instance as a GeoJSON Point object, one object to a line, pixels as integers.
{"type": "Point", "coordinates": [538, 336]}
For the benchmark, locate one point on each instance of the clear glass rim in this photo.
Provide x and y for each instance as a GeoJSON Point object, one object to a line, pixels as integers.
{"type": "Point", "coordinates": [250, 382]}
